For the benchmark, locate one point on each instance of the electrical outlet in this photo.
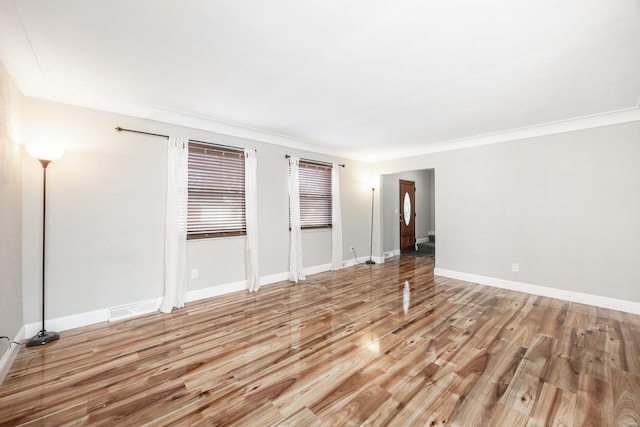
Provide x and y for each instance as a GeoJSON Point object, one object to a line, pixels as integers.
{"type": "Point", "coordinates": [515, 267]}
{"type": "Point", "coordinates": [194, 273]}
{"type": "Point", "coordinates": [352, 249]}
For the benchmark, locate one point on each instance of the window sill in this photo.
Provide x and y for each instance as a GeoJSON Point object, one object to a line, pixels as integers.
{"type": "Point", "coordinates": [316, 230]}
{"type": "Point", "coordinates": [214, 238]}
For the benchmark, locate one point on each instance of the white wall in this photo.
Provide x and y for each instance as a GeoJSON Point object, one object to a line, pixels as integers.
{"type": "Point", "coordinates": [565, 207]}
{"type": "Point", "coordinates": [10, 212]}
{"type": "Point", "coordinates": [106, 213]}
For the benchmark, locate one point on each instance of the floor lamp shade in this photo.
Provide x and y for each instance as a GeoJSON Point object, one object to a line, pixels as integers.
{"type": "Point", "coordinates": [45, 152]}
{"type": "Point", "coordinates": [45, 155]}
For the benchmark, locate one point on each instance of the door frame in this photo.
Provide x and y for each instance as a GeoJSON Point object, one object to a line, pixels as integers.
{"type": "Point", "coordinates": [412, 197]}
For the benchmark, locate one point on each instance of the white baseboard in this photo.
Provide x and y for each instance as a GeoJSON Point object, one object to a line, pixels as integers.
{"type": "Point", "coordinates": [562, 294]}
{"type": "Point", "coordinates": [391, 254]}
{"type": "Point", "coordinates": [213, 291]}
{"type": "Point", "coordinates": [135, 309]}
{"type": "Point", "coordinates": [348, 263]}
{"type": "Point", "coordinates": [69, 322]}
{"type": "Point", "coordinates": [241, 285]}
{"type": "Point", "coordinates": [151, 305]}
{"type": "Point", "coordinates": [317, 269]}
{"type": "Point", "coordinates": [355, 261]}
{"type": "Point", "coordinates": [274, 278]}
{"type": "Point", "coordinates": [362, 260]}
{"type": "Point", "coordinates": [132, 310]}
{"type": "Point", "coordinates": [9, 356]}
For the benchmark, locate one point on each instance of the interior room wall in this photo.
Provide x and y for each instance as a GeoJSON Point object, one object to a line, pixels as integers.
{"type": "Point", "coordinates": [390, 206]}
{"type": "Point", "coordinates": [106, 212]}
{"type": "Point", "coordinates": [432, 200]}
{"type": "Point", "coordinates": [357, 230]}
{"type": "Point", "coordinates": [10, 211]}
{"type": "Point", "coordinates": [565, 207]}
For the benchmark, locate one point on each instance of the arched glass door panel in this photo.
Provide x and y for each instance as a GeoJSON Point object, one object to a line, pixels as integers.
{"type": "Point", "coordinates": [407, 209]}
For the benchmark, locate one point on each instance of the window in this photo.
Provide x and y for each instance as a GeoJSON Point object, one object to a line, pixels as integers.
{"type": "Point", "coordinates": [216, 192]}
{"type": "Point", "coordinates": [315, 194]}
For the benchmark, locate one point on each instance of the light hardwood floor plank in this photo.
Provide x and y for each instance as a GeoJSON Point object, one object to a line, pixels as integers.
{"type": "Point", "coordinates": [340, 349]}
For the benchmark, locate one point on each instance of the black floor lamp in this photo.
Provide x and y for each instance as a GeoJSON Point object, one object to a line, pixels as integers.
{"type": "Point", "coordinates": [44, 155]}
{"type": "Point", "coordinates": [371, 261]}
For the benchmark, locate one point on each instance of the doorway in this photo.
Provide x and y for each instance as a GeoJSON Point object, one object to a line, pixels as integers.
{"type": "Point", "coordinates": [423, 211]}
{"type": "Point", "coordinates": [407, 215]}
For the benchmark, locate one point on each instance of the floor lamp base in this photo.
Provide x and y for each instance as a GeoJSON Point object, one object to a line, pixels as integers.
{"type": "Point", "coordinates": [42, 338]}
{"type": "Point", "coordinates": [370, 262]}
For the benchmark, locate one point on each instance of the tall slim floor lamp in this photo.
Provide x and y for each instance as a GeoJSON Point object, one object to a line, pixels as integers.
{"type": "Point", "coordinates": [45, 155]}
{"type": "Point", "coordinates": [371, 261]}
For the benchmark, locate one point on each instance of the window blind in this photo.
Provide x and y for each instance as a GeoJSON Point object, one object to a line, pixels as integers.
{"type": "Point", "coordinates": [216, 205]}
{"type": "Point", "coordinates": [315, 194]}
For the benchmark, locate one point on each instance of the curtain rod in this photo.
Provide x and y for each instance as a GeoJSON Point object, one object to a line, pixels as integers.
{"type": "Point", "coordinates": [286, 156]}
{"type": "Point", "coordinates": [121, 129]}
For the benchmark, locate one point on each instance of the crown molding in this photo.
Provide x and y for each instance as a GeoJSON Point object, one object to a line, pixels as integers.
{"type": "Point", "coordinates": [579, 123]}
{"type": "Point", "coordinates": [179, 118]}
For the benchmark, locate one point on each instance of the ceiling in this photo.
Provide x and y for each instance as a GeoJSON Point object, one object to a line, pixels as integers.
{"type": "Point", "coordinates": [366, 79]}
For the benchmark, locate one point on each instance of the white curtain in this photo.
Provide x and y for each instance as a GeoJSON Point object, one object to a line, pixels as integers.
{"type": "Point", "coordinates": [175, 238]}
{"type": "Point", "coordinates": [296, 269]}
{"type": "Point", "coordinates": [336, 220]}
{"type": "Point", "coordinates": [251, 213]}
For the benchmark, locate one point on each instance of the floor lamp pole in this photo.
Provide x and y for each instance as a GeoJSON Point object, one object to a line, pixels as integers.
{"type": "Point", "coordinates": [43, 337]}
{"type": "Point", "coordinates": [371, 261]}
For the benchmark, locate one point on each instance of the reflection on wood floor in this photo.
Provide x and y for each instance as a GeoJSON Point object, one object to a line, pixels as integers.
{"type": "Point", "coordinates": [342, 348]}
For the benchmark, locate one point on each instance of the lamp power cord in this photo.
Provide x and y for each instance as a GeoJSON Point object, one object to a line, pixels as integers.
{"type": "Point", "coordinates": [355, 256]}
{"type": "Point", "coordinates": [10, 340]}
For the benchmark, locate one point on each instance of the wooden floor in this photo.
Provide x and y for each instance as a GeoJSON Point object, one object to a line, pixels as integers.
{"type": "Point", "coordinates": [355, 347]}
